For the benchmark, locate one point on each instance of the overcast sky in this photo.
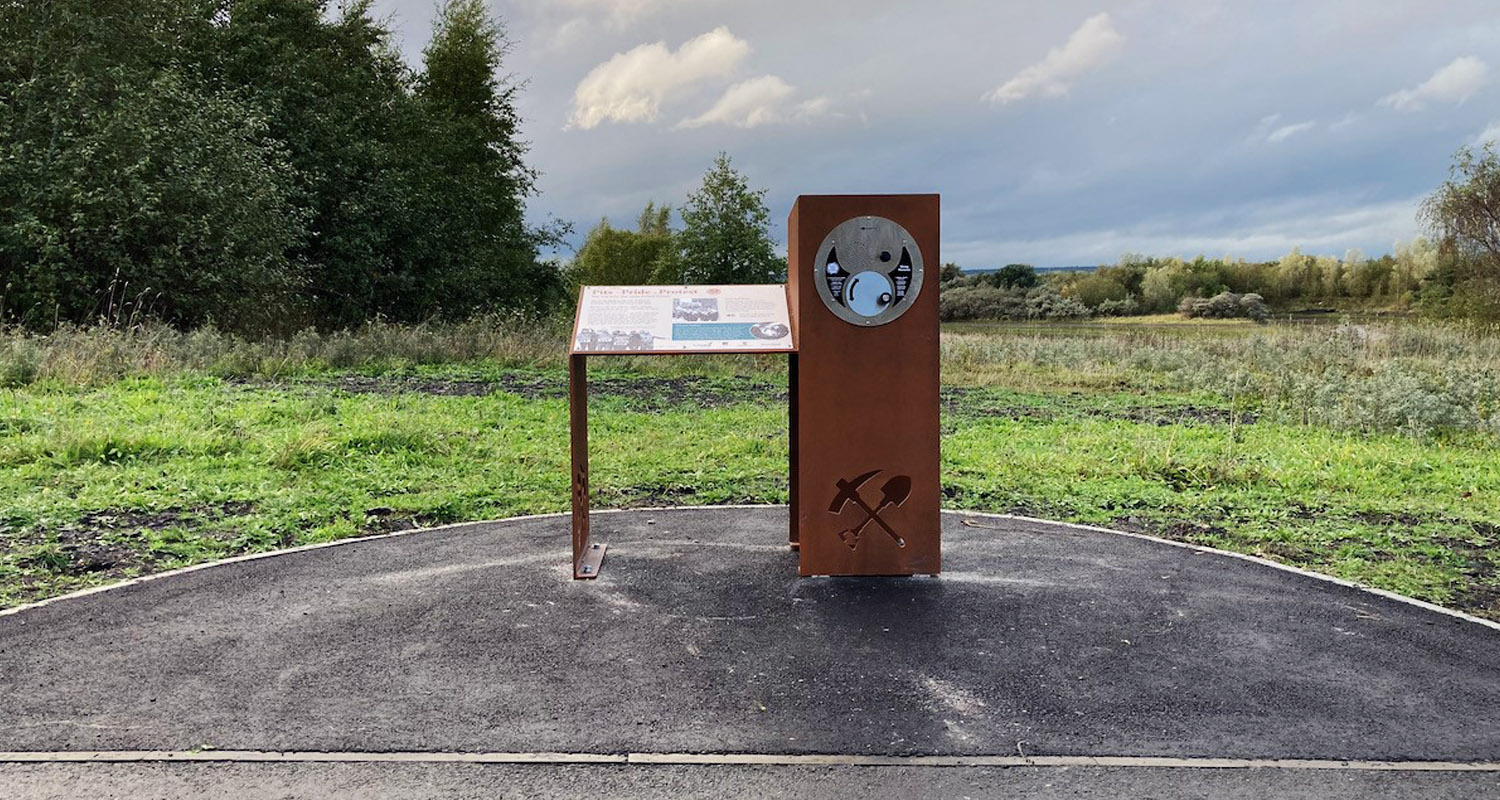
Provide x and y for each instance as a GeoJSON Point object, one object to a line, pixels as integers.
{"type": "Point", "coordinates": [1058, 133]}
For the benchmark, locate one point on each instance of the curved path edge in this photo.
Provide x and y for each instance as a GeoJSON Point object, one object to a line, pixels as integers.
{"type": "Point", "coordinates": [1385, 593]}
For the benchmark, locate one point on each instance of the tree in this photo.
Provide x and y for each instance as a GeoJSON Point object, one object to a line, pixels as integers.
{"type": "Point", "coordinates": [659, 243]}
{"type": "Point", "coordinates": [336, 93]}
{"type": "Point", "coordinates": [1093, 290]}
{"type": "Point", "coordinates": [263, 164]}
{"type": "Point", "coordinates": [1164, 284]}
{"type": "Point", "coordinates": [1464, 215]}
{"type": "Point", "coordinates": [1415, 261]}
{"type": "Point", "coordinates": [125, 177]}
{"type": "Point", "coordinates": [1014, 276]}
{"type": "Point", "coordinates": [614, 257]}
{"type": "Point", "coordinates": [1463, 278]}
{"type": "Point", "coordinates": [486, 252]}
{"type": "Point", "coordinates": [726, 231]}
{"type": "Point", "coordinates": [1297, 275]}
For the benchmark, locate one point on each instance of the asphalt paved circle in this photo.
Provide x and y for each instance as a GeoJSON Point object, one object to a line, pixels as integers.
{"type": "Point", "coordinates": [1037, 639]}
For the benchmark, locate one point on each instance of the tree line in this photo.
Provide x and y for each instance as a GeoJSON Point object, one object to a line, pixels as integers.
{"type": "Point", "coordinates": [262, 165]}
{"type": "Point", "coordinates": [1455, 273]}
{"type": "Point", "coordinates": [271, 165]}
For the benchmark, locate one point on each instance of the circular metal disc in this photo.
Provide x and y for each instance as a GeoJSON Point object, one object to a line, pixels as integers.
{"type": "Point", "coordinates": [868, 244]}
{"type": "Point", "coordinates": [868, 293]}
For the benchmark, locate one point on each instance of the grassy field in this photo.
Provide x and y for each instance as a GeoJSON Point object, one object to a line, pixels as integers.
{"type": "Point", "coordinates": [1367, 452]}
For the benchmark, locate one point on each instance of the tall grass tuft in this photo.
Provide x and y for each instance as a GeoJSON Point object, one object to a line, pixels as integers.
{"type": "Point", "coordinates": [93, 356]}
{"type": "Point", "coordinates": [1415, 377]}
{"type": "Point", "coordinates": [1419, 378]}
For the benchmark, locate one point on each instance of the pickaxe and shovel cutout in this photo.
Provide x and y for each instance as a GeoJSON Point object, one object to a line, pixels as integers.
{"type": "Point", "coordinates": [893, 493]}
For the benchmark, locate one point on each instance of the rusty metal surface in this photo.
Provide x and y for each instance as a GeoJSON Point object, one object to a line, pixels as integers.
{"type": "Point", "coordinates": [578, 424]}
{"type": "Point", "coordinates": [866, 430]}
{"type": "Point", "coordinates": [793, 390]}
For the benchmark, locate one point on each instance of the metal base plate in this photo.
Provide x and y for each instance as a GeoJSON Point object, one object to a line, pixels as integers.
{"type": "Point", "coordinates": [593, 558]}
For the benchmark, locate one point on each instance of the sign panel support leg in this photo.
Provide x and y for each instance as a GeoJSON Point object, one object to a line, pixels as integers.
{"type": "Point", "coordinates": [587, 556]}
{"type": "Point", "coordinates": [791, 382]}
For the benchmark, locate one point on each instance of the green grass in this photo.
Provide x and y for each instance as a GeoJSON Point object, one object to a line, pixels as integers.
{"type": "Point", "coordinates": [153, 464]}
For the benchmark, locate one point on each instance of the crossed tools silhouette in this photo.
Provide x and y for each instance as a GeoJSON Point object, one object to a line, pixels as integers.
{"type": "Point", "coordinates": [893, 493]}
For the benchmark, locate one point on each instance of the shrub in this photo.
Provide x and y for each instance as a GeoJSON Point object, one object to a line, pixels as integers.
{"type": "Point", "coordinates": [1014, 276]}
{"type": "Point", "coordinates": [1254, 307]}
{"type": "Point", "coordinates": [1119, 308]}
{"type": "Point", "coordinates": [20, 363]}
{"type": "Point", "coordinates": [981, 302]}
{"type": "Point", "coordinates": [1225, 305]}
{"type": "Point", "coordinates": [1096, 289]}
{"type": "Point", "coordinates": [92, 356]}
{"type": "Point", "coordinates": [1045, 302]}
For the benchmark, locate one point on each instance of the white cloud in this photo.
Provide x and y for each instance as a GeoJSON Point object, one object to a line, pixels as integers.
{"type": "Point", "coordinates": [1285, 132]}
{"type": "Point", "coordinates": [1095, 42]}
{"type": "Point", "coordinates": [631, 86]}
{"type": "Point", "coordinates": [756, 102]}
{"type": "Point", "coordinates": [1490, 134]}
{"type": "Point", "coordinates": [1454, 83]}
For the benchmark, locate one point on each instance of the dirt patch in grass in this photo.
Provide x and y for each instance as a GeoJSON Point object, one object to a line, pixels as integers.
{"type": "Point", "coordinates": [113, 543]}
{"type": "Point", "coordinates": [1015, 413]}
{"type": "Point", "coordinates": [1163, 416]}
{"type": "Point", "coordinates": [660, 495]}
{"type": "Point", "coordinates": [655, 495]}
{"type": "Point", "coordinates": [1480, 593]}
{"type": "Point", "coordinates": [447, 387]}
{"type": "Point", "coordinates": [79, 554]}
{"type": "Point", "coordinates": [1179, 530]}
{"type": "Point", "coordinates": [645, 393]}
{"type": "Point", "coordinates": [651, 393]}
{"type": "Point", "coordinates": [388, 520]}
{"type": "Point", "coordinates": [965, 402]}
{"type": "Point", "coordinates": [1386, 519]}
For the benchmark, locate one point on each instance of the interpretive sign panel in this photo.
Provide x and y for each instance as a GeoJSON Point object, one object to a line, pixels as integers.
{"type": "Point", "coordinates": [618, 320]}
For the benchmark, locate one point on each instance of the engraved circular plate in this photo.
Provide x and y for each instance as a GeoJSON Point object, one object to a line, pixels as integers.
{"type": "Point", "coordinates": [868, 271]}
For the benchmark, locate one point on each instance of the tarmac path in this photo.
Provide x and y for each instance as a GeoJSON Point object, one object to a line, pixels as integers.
{"type": "Point", "coordinates": [1046, 660]}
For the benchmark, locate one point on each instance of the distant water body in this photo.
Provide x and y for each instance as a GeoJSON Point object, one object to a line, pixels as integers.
{"type": "Point", "coordinates": [983, 270]}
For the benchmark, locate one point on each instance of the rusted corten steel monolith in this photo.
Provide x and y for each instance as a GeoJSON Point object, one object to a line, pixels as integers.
{"type": "Point", "coordinates": [863, 288]}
